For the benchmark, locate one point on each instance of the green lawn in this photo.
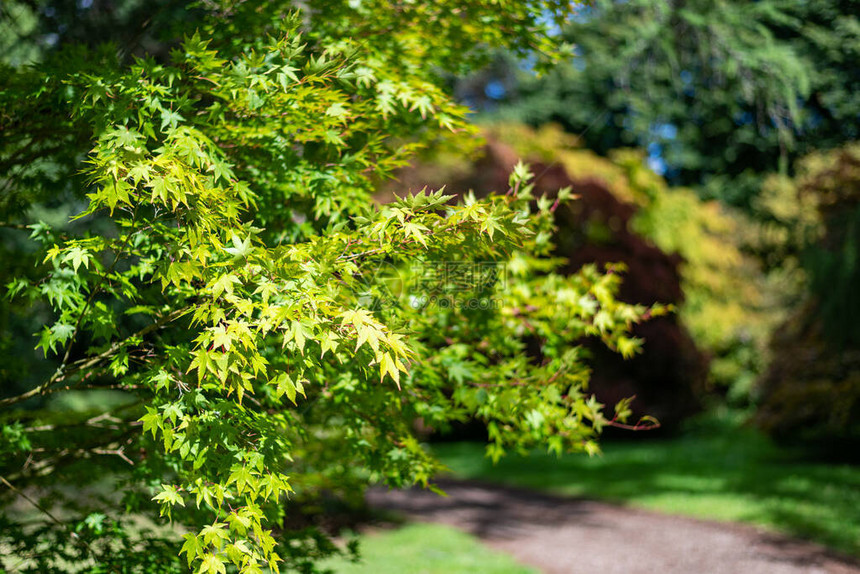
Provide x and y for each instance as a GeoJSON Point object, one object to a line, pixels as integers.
{"type": "Point", "coordinates": [716, 470]}
{"type": "Point", "coordinates": [426, 549]}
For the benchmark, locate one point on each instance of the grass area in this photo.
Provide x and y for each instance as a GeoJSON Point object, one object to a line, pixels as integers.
{"type": "Point", "coordinates": [426, 549]}
{"type": "Point", "coordinates": [716, 470]}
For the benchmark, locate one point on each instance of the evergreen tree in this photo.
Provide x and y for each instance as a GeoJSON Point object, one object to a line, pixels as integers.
{"type": "Point", "coordinates": [720, 92]}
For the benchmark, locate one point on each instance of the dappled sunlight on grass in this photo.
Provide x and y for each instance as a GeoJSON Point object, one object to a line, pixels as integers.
{"type": "Point", "coordinates": [426, 549]}
{"type": "Point", "coordinates": [717, 470]}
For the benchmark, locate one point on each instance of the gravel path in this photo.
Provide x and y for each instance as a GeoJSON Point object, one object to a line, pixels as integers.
{"type": "Point", "coordinates": [572, 536]}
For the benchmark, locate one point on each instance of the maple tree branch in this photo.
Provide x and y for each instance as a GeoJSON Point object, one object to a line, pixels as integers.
{"type": "Point", "coordinates": [78, 366]}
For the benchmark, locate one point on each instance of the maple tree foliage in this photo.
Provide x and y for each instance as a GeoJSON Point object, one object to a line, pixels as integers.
{"type": "Point", "coordinates": [220, 275]}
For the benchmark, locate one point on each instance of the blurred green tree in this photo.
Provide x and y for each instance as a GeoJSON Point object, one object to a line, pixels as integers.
{"type": "Point", "coordinates": [720, 92]}
{"type": "Point", "coordinates": [812, 390]}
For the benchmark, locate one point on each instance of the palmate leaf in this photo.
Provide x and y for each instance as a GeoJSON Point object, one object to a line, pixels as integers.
{"type": "Point", "coordinates": [192, 547]}
{"type": "Point", "coordinates": [212, 563]}
{"type": "Point", "coordinates": [240, 248]}
{"type": "Point", "coordinates": [169, 495]}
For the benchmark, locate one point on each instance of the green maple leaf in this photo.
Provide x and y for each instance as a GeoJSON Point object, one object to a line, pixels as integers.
{"type": "Point", "coordinates": [171, 119]}
{"type": "Point", "coordinates": [192, 547]}
{"type": "Point", "coordinates": [214, 533]}
{"type": "Point", "coordinates": [285, 385]}
{"type": "Point", "coordinates": [424, 105]}
{"type": "Point", "coordinates": [78, 256]}
{"type": "Point", "coordinates": [241, 476]}
{"type": "Point", "coordinates": [336, 110]}
{"type": "Point", "coordinates": [240, 249]}
{"type": "Point", "coordinates": [169, 495]}
{"type": "Point", "coordinates": [212, 563]}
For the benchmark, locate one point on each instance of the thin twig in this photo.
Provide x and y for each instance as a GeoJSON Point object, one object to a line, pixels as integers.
{"type": "Point", "coordinates": [42, 509]}
{"type": "Point", "coordinates": [61, 374]}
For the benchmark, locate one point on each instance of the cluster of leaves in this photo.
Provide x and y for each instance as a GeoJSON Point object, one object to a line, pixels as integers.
{"type": "Point", "coordinates": [730, 305]}
{"type": "Point", "coordinates": [221, 275]}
